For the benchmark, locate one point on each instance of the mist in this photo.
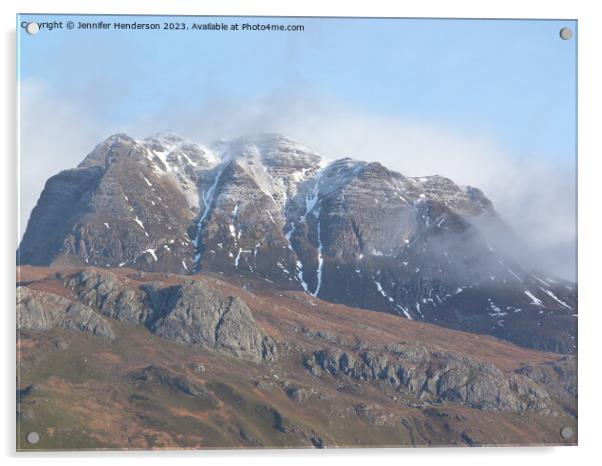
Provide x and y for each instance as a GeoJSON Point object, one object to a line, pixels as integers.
{"type": "Point", "coordinates": [535, 195]}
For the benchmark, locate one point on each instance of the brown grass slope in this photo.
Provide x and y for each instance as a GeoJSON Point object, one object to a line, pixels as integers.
{"type": "Point", "coordinates": [141, 391]}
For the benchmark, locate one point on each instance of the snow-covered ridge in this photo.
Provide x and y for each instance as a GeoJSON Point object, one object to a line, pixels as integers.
{"type": "Point", "coordinates": [180, 159]}
{"type": "Point", "coordinates": [281, 167]}
{"type": "Point", "coordinates": [267, 209]}
{"type": "Point", "coordinates": [295, 179]}
{"type": "Point", "coordinates": [277, 164]}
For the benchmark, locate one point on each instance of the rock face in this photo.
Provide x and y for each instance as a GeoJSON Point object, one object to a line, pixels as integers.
{"type": "Point", "coordinates": [190, 362]}
{"type": "Point", "coordinates": [116, 208]}
{"type": "Point", "coordinates": [269, 211]}
{"type": "Point", "coordinates": [39, 311]}
{"type": "Point", "coordinates": [559, 378]}
{"type": "Point", "coordinates": [192, 313]}
{"type": "Point", "coordinates": [195, 314]}
{"type": "Point", "coordinates": [433, 375]}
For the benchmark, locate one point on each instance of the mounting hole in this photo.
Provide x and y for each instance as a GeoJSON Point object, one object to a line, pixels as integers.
{"type": "Point", "coordinates": [32, 438]}
{"type": "Point", "coordinates": [566, 33]}
{"type": "Point", "coordinates": [566, 432]}
{"type": "Point", "coordinates": [32, 28]}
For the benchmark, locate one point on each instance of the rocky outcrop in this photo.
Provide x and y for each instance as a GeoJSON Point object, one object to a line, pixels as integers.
{"type": "Point", "coordinates": [117, 208]}
{"type": "Point", "coordinates": [435, 375]}
{"type": "Point", "coordinates": [559, 377]}
{"type": "Point", "coordinates": [271, 212]}
{"type": "Point", "coordinates": [113, 297]}
{"type": "Point", "coordinates": [173, 381]}
{"type": "Point", "coordinates": [301, 394]}
{"type": "Point", "coordinates": [375, 415]}
{"type": "Point", "coordinates": [41, 311]}
{"type": "Point", "coordinates": [192, 313]}
{"type": "Point", "coordinates": [190, 358]}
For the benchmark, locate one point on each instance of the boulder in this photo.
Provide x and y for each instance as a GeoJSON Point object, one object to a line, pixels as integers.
{"type": "Point", "coordinates": [42, 311]}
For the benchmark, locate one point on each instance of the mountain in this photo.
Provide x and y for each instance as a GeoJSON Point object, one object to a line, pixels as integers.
{"type": "Point", "coordinates": [122, 359]}
{"type": "Point", "coordinates": [265, 213]}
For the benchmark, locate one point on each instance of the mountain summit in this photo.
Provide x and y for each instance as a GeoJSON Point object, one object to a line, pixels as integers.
{"type": "Point", "coordinates": [265, 211]}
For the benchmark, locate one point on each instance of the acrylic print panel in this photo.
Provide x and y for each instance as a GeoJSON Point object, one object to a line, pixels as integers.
{"type": "Point", "coordinates": [296, 232]}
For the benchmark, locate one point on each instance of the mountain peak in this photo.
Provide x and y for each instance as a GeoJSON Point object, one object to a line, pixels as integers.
{"type": "Point", "coordinates": [114, 145]}
{"type": "Point", "coordinates": [270, 146]}
{"type": "Point", "coordinates": [266, 209]}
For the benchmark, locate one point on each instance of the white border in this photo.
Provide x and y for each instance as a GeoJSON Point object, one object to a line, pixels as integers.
{"type": "Point", "coordinates": [590, 175]}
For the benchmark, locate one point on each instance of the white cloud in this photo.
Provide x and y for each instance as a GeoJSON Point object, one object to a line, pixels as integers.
{"type": "Point", "coordinates": [535, 196]}
{"type": "Point", "coordinates": [55, 134]}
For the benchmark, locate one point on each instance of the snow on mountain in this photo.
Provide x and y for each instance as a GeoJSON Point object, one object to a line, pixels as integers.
{"type": "Point", "coordinates": [266, 209]}
{"type": "Point", "coordinates": [179, 158]}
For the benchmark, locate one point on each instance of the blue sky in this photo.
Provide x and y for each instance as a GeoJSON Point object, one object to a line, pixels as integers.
{"type": "Point", "coordinates": [513, 81]}
{"type": "Point", "coordinates": [490, 103]}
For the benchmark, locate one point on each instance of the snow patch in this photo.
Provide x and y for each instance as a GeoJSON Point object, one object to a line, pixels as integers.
{"type": "Point", "coordinates": [207, 203]}
{"type": "Point", "coordinates": [496, 311]}
{"type": "Point", "coordinates": [139, 222]}
{"type": "Point", "coordinates": [320, 258]}
{"type": "Point", "coordinates": [151, 252]}
{"type": "Point", "coordinates": [553, 296]}
{"type": "Point", "coordinates": [543, 282]}
{"type": "Point", "coordinates": [404, 310]}
{"type": "Point", "coordinates": [534, 300]}
{"type": "Point", "coordinates": [300, 277]}
{"type": "Point", "coordinates": [270, 217]}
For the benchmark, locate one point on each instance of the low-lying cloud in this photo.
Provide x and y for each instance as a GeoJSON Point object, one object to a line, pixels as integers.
{"type": "Point", "coordinates": [535, 195]}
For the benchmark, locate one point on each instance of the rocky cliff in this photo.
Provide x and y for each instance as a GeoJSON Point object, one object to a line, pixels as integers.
{"type": "Point", "coordinates": [267, 212]}
{"type": "Point", "coordinates": [159, 360]}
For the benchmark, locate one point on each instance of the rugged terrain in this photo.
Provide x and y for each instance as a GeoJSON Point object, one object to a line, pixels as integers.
{"type": "Point", "coordinates": [121, 358]}
{"type": "Point", "coordinates": [269, 213]}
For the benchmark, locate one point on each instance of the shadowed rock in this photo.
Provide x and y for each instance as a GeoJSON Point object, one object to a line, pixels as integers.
{"type": "Point", "coordinates": [192, 313]}
{"type": "Point", "coordinates": [40, 311]}
{"type": "Point", "coordinates": [431, 374]}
